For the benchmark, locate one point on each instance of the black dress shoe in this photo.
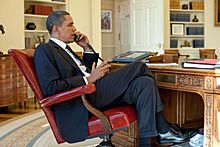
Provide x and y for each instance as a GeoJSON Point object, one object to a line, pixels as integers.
{"type": "Point", "coordinates": [176, 135]}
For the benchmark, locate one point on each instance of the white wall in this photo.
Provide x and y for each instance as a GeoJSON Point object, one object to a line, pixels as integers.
{"type": "Point", "coordinates": [86, 16]}
{"type": "Point", "coordinates": [13, 24]}
{"type": "Point", "coordinates": [212, 32]}
{"type": "Point", "coordinates": [108, 38]}
{"type": "Point", "coordinates": [166, 23]}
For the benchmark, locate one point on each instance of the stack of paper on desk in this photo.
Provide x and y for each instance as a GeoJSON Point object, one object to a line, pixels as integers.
{"type": "Point", "coordinates": [204, 64]}
{"type": "Point", "coordinates": [162, 64]}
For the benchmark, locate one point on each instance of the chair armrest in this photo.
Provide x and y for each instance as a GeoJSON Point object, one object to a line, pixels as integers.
{"type": "Point", "coordinates": [76, 93]}
{"type": "Point", "coordinates": [67, 95]}
{"type": "Point", "coordinates": [103, 118]}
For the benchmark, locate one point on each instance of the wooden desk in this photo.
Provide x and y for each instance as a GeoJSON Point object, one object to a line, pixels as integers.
{"type": "Point", "coordinates": [205, 83]}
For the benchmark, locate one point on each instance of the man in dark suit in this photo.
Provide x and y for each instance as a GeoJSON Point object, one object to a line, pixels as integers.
{"type": "Point", "coordinates": [58, 69]}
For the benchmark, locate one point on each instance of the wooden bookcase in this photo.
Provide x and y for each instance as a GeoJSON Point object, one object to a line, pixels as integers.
{"type": "Point", "coordinates": [187, 26]}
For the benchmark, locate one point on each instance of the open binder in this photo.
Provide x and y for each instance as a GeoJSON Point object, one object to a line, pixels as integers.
{"type": "Point", "coordinates": [131, 56]}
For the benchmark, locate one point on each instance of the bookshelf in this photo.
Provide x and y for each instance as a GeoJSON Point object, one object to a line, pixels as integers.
{"type": "Point", "coordinates": [36, 12]}
{"type": "Point", "coordinates": [187, 24]}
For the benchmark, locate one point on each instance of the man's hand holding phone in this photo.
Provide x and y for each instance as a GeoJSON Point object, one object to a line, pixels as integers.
{"type": "Point", "coordinates": [82, 40]}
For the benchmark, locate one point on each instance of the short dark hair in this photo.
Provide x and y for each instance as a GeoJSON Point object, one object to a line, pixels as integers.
{"type": "Point", "coordinates": [55, 18]}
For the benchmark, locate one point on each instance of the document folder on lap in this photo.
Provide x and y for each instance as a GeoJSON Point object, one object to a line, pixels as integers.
{"type": "Point", "coordinates": [131, 56]}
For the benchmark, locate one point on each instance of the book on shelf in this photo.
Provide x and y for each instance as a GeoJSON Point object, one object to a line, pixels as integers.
{"type": "Point", "coordinates": [179, 17]}
{"type": "Point", "coordinates": [39, 10]}
{"type": "Point", "coordinates": [27, 42]}
{"type": "Point", "coordinates": [202, 64]}
{"type": "Point", "coordinates": [196, 5]}
{"type": "Point", "coordinates": [174, 4]}
{"type": "Point", "coordinates": [198, 43]}
{"type": "Point", "coordinates": [194, 30]}
{"type": "Point", "coordinates": [173, 43]}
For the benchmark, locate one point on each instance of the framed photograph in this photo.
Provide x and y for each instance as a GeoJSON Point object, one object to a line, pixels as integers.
{"type": "Point", "coordinates": [177, 29]}
{"type": "Point", "coordinates": [217, 12]}
{"type": "Point", "coordinates": [106, 20]}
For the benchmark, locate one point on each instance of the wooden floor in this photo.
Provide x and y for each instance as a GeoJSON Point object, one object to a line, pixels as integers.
{"type": "Point", "coordinates": [17, 109]}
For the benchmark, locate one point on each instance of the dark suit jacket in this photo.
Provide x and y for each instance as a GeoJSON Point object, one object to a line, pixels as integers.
{"type": "Point", "coordinates": [57, 72]}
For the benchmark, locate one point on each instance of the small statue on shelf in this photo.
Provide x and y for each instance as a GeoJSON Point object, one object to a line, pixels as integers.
{"type": "Point", "coordinates": [186, 44]}
{"type": "Point", "coordinates": [40, 39]}
{"type": "Point", "coordinates": [195, 19]}
{"type": "Point", "coordinates": [30, 10]}
{"type": "Point", "coordinates": [185, 6]}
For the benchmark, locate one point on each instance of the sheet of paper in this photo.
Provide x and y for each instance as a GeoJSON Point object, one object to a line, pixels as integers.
{"type": "Point", "coordinates": [162, 64]}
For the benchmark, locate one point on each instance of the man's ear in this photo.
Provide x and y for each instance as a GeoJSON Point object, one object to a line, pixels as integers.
{"type": "Point", "coordinates": [55, 29]}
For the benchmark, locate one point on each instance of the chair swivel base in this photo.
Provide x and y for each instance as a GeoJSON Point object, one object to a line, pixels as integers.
{"type": "Point", "coordinates": [105, 143]}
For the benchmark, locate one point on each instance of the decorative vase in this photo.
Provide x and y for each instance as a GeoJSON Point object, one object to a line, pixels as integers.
{"type": "Point", "coordinates": [195, 19]}
{"type": "Point", "coordinates": [30, 26]}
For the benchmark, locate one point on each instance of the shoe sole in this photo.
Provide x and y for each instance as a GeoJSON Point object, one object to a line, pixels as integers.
{"type": "Point", "coordinates": [164, 144]}
{"type": "Point", "coordinates": [174, 141]}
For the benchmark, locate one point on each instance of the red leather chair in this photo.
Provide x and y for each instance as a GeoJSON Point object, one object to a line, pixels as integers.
{"type": "Point", "coordinates": [106, 122]}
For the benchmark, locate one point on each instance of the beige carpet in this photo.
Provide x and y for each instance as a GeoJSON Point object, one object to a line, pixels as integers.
{"type": "Point", "coordinates": [32, 130]}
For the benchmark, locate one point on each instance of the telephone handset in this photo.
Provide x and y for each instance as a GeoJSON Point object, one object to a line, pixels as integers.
{"type": "Point", "coordinates": [78, 37]}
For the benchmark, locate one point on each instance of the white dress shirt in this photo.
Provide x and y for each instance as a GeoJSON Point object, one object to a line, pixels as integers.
{"type": "Point", "coordinates": [79, 64]}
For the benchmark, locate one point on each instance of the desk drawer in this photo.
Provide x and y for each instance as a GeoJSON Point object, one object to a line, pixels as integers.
{"type": "Point", "coordinates": [166, 79]}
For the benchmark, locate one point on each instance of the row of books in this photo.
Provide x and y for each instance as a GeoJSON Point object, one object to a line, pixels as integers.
{"type": "Point", "coordinates": [196, 5]}
{"type": "Point", "coordinates": [194, 30]}
{"type": "Point", "coordinates": [174, 4]}
{"type": "Point", "coordinates": [180, 17]}
{"type": "Point", "coordinates": [196, 43]}
{"type": "Point", "coordinates": [39, 9]}
{"type": "Point", "coordinates": [174, 43]}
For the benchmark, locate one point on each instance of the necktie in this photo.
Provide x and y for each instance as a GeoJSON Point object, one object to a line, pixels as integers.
{"type": "Point", "coordinates": [75, 55]}
{"type": "Point", "coordinates": [72, 52]}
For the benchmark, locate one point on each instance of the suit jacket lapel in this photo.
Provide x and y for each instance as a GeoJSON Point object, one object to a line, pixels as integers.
{"type": "Point", "coordinates": [64, 54]}
{"type": "Point", "coordinates": [79, 58]}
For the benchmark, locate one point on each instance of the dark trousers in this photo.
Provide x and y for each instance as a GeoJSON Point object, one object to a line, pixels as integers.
{"type": "Point", "coordinates": [131, 85]}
